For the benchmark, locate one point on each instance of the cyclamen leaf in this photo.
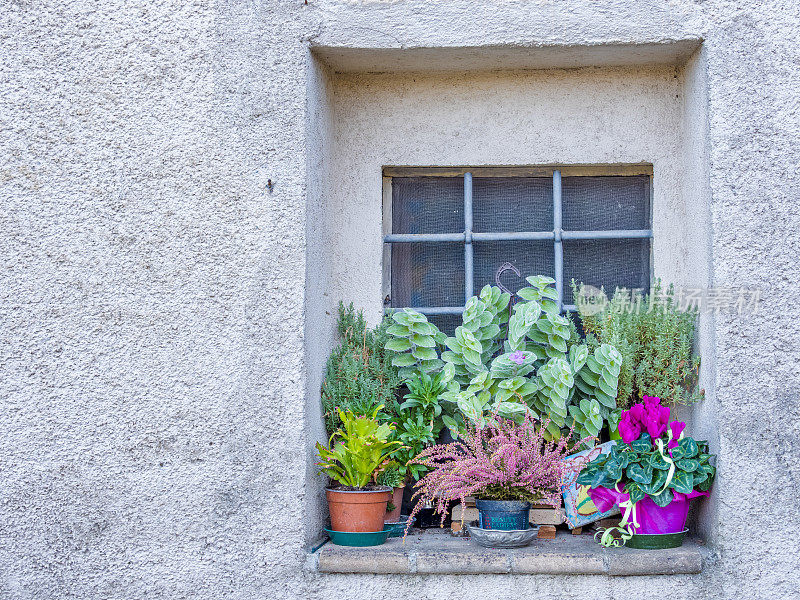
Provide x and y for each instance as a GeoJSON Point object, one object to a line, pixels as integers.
{"type": "Point", "coordinates": [663, 499]}
{"type": "Point", "coordinates": [682, 482]}
{"type": "Point", "coordinates": [689, 448]}
{"type": "Point", "coordinates": [613, 469]}
{"type": "Point", "coordinates": [658, 463]}
{"type": "Point", "coordinates": [659, 479]}
{"type": "Point", "coordinates": [636, 493]}
{"type": "Point", "coordinates": [643, 444]}
{"type": "Point", "coordinates": [640, 474]}
{"type": "Point", "coordinates": [687, 464]}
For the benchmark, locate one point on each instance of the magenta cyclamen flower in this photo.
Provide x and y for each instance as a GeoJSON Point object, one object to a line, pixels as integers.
{"type": "Point", "coordinates": [629, 427]}
{"type": "Point", "coordinates": [677, 428]}
{"type": "Point", "coordinates": [647, 416]}
{"type": "Point", "coordinates": [517, 357]}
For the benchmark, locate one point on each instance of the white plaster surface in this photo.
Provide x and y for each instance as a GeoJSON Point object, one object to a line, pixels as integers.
{"type": "Point", "coordinates": [157, 372]}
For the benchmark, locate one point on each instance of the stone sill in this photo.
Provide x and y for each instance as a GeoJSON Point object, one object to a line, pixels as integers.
{"type": "Point", "coordinates": [436, 551]}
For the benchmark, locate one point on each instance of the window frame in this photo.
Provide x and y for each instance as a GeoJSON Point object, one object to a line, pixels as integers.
{"type": "Point", "coordinates": [468, 236]}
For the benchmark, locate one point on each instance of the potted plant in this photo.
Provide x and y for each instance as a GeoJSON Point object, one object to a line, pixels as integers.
{"type": "Point", "coordinates": [505, 465]}
{"type": "Point", "coordinates": [420, 422]}
{"type": "Point", "coordinates": [356, 452]}
{"type": "Point", "coordinates": [652, 474]}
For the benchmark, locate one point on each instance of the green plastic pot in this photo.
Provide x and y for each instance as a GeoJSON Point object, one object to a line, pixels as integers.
{"type": "Point", "coordinates": [656, 541]}
{"type": "Point", "coordinates": [349, 538]}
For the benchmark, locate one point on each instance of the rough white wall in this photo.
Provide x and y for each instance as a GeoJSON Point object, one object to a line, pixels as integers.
{"type": "Point", "coordinates": [153, 379]}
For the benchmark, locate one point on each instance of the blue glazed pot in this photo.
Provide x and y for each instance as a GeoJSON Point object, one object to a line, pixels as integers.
{"type": "Point", "coordinates": [503, 515]}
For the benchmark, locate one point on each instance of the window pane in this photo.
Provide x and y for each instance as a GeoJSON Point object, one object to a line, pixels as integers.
{"type": "Point", "coordinates": [512, 204]}
{"type": "Point", "coordinates": [446, 323]}
{"type": "Point", "coordinates": [428, 274]}
{"type": "Point", "coordinates": [427, 204]}
{"type": "Point", "coordinates": [529, 257]}
{"type": "Point", "coordinates": [607, 263]}
{"type": "Point", "coordinates": [603, 203]}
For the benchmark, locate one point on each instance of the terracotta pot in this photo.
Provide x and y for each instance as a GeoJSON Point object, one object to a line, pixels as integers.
{"type": "Point", "coordinates": [357, 511]}
{"type": "Point", "coordinates": [397, 500]}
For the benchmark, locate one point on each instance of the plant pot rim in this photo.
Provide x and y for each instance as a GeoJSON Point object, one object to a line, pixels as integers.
{"type": "Point", "coordinates": [658, 534]}
{"type": "Point", "coordinates": [522, 502]}
{"type": "Point", "coordinates": [380, 490]}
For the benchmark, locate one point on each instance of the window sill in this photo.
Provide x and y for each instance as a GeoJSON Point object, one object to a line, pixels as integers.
{"type": "Point", "coordinates": [436, 551]}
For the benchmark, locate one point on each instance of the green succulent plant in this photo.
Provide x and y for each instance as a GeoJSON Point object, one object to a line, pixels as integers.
{"type": "Point", "coordinates": [529, 358]}
{"type": "Point", "coordinates": [413, 340]}
{"type": "Point", "coordinates": [477, 340]}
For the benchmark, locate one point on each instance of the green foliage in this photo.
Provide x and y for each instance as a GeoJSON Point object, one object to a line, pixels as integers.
{"type": "Point", "coordinates": [413, 343]}
{"type": "Point", "coordinates": [359, 375]}
{"type": "Point", "coordinates": [391, 476]}
{"type": "Point", "coordinates": [422, 399]}
{"type": "Point", "coordinates": [543, 367]}
{"type": "Point", "coordinates": [640, 469]}
{"type": "Point", "coordinates": [416, 434]}
{"type": "Point", "coordinates": [421, 418]}
{"type": "Point", "coordinates": [476, 341]}
{"type": "Point", "coordinates": [655, 341]}
{"type": "Point", "coordinates": [361, 448]}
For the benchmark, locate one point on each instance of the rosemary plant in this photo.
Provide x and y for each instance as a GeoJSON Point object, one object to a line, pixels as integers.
{"type": "Point", "coordinates": [655, 338]}
{"type": "Point", "coordinates": [359, 375]}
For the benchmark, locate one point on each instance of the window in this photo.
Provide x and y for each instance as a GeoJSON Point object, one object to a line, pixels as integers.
{"type": "Point", "coordinates": [449, 232]}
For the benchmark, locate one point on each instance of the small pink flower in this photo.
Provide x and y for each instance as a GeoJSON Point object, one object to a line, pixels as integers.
{"type": "Point", "coordinates": [517, 357]}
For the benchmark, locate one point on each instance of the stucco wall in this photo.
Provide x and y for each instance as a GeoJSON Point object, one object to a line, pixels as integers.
{"type": "Point", "coordinates": [157, 313]}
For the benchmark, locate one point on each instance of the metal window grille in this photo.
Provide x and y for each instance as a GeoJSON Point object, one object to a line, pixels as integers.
{"type": "Point", "coordinates": [616, 255]}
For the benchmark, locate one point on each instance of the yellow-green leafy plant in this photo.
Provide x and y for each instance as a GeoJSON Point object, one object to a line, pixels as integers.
{"type": "Point", "coordinates": [358, 450]}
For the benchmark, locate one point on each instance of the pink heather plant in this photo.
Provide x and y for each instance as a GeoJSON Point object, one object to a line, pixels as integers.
{"type": "Point", "coordinates": [502, 461]}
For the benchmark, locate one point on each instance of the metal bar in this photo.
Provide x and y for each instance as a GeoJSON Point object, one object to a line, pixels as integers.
{"type": "Point", "coordinates": [468, 255]}
{"type": "Point", "coordinates": [436, 310]}
{"type": "Point", "coordinates": [495, 236]}
{"type": "Point", "coordinates": [611, 234]}
{"type": "Point", "coordinates": [512, 236]}
{"type": "Point", "coordinates": [558, 263]}
{"type": "Point", "coordinates": [569, 308]}
{"type": "Point", "coordinates": [394, 238]}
